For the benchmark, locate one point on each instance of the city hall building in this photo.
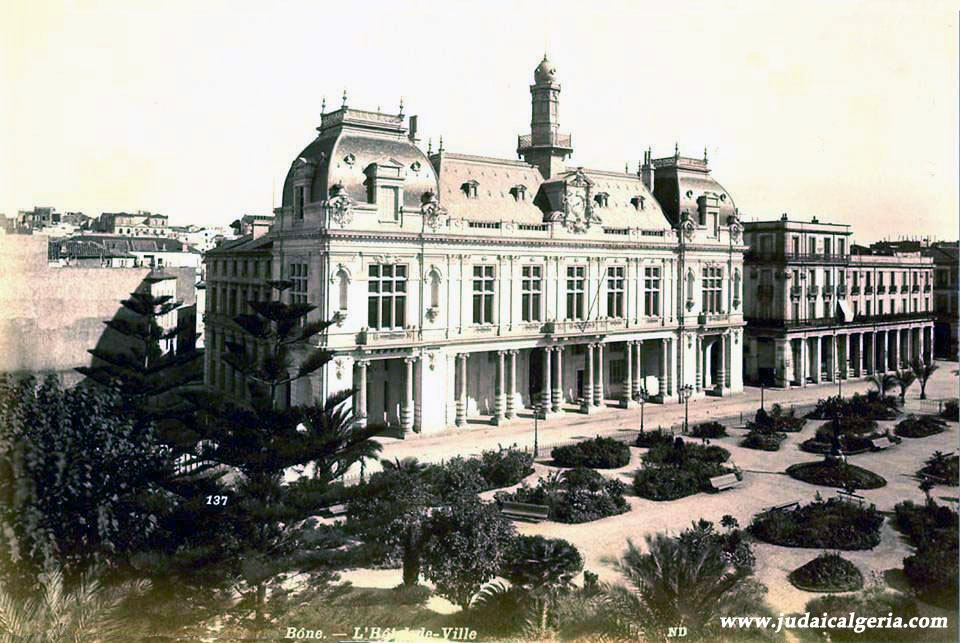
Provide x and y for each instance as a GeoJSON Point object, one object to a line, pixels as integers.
{"type": "Point", "coordinates": [819, 308]}
{"type": "Point", "coordinates": [468, 287]}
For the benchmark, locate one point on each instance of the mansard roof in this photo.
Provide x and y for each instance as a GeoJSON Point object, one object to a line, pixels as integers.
{"type": "Point", "coordinates": [496, 181]}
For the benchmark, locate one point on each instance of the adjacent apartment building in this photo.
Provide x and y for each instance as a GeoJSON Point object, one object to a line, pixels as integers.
{"type": "Point", "coordinates": [467, 286]}
{"type": "Point", "coordinates": [819, 308]}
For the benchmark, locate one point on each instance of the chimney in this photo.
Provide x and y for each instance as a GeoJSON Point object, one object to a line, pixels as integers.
{"type": "Point", "coordinates": [646, 170]}
{"type": "Point", "coordinates": [412, 131]}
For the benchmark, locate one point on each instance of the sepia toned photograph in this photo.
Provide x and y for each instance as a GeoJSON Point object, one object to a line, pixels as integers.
{"type": "Point", "coordinates": [502, 321]}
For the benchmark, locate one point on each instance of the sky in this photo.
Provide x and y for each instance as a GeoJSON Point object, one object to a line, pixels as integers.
{"type": "Point", "coordinates": [847, 111]}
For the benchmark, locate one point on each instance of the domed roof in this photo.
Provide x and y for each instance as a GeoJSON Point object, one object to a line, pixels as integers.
{"type": "Point", "coordinates": [545, 71]}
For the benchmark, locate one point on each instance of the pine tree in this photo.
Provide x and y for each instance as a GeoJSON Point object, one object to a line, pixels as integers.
{"type": "Point", "coordinates": [269, 520]}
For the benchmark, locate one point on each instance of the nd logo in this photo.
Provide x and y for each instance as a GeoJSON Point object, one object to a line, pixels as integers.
{"type": "Point", "coordinates": [676, 632]}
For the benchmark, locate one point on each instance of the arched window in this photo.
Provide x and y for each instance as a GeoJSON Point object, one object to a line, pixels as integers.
{"type": "Point", "coordinates": [434, 288]}
{"type": "Point", "coordinates": [343, 280]}
{"type": "Point", "coordinates": [736, 287]}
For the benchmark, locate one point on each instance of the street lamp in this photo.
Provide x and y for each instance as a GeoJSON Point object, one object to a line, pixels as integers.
{"type": "Point", "coordinates": [762, 380]}
{"type": "Point", "coordinates": [839, 385]}
{"type": "Point", "coordinates": [641, 396]}
{"type": "Point", "coordinates": [536, 417]}
{"type": "Point", "coordinates": [685, 392]}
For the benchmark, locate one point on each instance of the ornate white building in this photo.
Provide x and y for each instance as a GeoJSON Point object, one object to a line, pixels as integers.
{"type": "Point", "coordinates": [472, 287]}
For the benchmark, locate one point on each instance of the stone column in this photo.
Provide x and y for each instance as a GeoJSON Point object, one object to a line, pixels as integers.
{"type": "Point", "coordinates": [698, 383]}
{"type": "Point", "coordinates": [662, 377]}
{"type": "Point", "coordinates": [462, 390]}
{"type": "Point", "coordinates": [546, 385]}
{"type": "Point", "coordinates": [896, 349]}
{"type": "Point", "coordinates": [360, 401]}
{"type": "Point", "coordinates": [803, 362]}
{"type": "Point", "coordinates": [922, 344]}
{"type": "Point", "coordinates": [511, 384]}
{"type": "Point", "coordinates": [671, 366]}
{"type": "Point", "coordinates": [500, 403]}
{"type": "Point", "coordinates": [406, 410]}
{"type": "Point", "coordinates": [817, 365]}
{"type": "Point", "coordinates": [598, 383]}
{"type": "Point", "coordinates": [860, 362]}
{"type": "Point", "coordinates": [638, 379]}
{"type": "Point", "coordinates": [557, 394]}
{"type": "Point", "coordinates": [588, 387]}
{"type": "Point", "coordinates": [722, 371]}
{"type": "Point", "coordinates": [417, 395]}
{"type": "Point", "coordinates": [628, 377]}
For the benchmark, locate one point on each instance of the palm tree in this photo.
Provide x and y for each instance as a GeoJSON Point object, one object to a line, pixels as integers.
{"type": "Point", "coordinates": [89, 611]}
{"type": "Point", "coordinates": [884, 383]}
{"type": "Point", "coordinates": [682, 581]}
{"type": "Point", "coordinates": [904, 379]}
{"type": "Point", "coordinates": [923, 371]}
{"type": "Point", "coordinates": [545, 568]}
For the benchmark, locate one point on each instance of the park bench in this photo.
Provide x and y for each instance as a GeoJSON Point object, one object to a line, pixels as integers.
{"type": "Point", "coordinates": [850, 497]}
{"type": "Point", "coordinates": [881, 443]}
{"type": "Point", "coordinates": [334, 511]}
{"type": "Point", "coordinates": [724, 482]}
{"type": "Point", "coordinates": [525, 511]}
{"type": "Point", "coordinates": [782, 507]}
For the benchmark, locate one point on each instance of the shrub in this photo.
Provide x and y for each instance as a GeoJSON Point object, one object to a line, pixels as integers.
{"type": "Point", "coordinates": [410, 594]}
{"type": "Point", "coordinates": [599, 453]}
{"type": "Point", "coordinates": [505, 467]}
{"type": "Point", "coordinates": [536, 562]}
{"type": "Point", "coordinates": [834, 473]}
{"type": "Point", "coordinates": [873, 602]}
{"type": "Point", "coordinates": [575, 496]}
{"type": "Point", "coordinates": [932, 529]}
{"type": "Point", "coordinates": [682, 469]}
{"type": "Point", "coordinates": [871, 406]}
{"type": "Point", "coordinates": [776, 420]}
{"type": "Point", "coordinates": [763, 440]}
{"type": "Point", "coordinates": [943, 467]}
{"type": "Point", "coordinates": [709, 430]}
{"type": "Point", "coordinates": [649, 439]}
{"type": "Point", "coordinates": [827, 573]}
{"type": "Point", "coordinates": [951, 411]}
{"type": "Point", "coordinates": [833, 524]}
{"type": "Point", "coordinates": [920, 426]}
{"type": "Point", "coordinates": [454, 477]}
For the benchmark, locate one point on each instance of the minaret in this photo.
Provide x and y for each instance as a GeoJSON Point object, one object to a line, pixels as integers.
{"type": "Point", "coordinates": [545, 147]}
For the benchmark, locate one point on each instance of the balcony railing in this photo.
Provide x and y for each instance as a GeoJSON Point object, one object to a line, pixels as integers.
{"type": "Point", "coordinates": [855, 290]}
{"type": "Point", "coordinates": [916, 288]}
{"type": "Point", "coordinates": [926, 288]}
{"type": "Point", "coordinates": [574, 326]}
{"type": "Point", "coordinates": [813, 291]}
{"type": "Point", "coordinates": [881, 290]}
{"type": "Point", "coordinates": [868, 290]}
{"type": "Point", "coordinates": [827, 292]}
{"type": "Point", "coordinates": [796, 291]}
{"type": "Point", "coordinates": [525, 141]}
{"type": "Point", "coordinates": [842, 290]}
{"type": "Point", "coordinates": [836, 321]}
{"type": "Point", "coordinates": [369, 336]}
{"type": "Point", "coordinates": [888, 317]}
{"type": "Point", "coordinates": [801, 257]}
{"type": "Point", "coordinates": [708, 319]}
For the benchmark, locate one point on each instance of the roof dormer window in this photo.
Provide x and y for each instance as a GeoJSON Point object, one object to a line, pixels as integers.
{"type": "Point", "coordinates": [638, 202]}
{"type": "Point", "coordinates": [385, 189]}
{"type": "Point", "coordinates": [470, 188]}
{"type": "Point", "coordinates": [602, 199]}
{"type": "Point", "coordinates": [519, 192]}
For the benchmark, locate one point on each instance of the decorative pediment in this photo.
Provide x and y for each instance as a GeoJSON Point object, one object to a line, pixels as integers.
{"type": "Point", "coordinates": [519, 192]}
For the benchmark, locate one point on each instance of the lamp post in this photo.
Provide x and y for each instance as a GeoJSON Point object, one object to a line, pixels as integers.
{"type": "Point", "coordinates": [761, 391]}
{"type": "Point", "coordinates": [839, 385]}
{"type": "Point", "coordinates": [641, 396]}
{"type": "Point", "coordinates": [536, 419]}
{"type": "Point", "coordinates": [685, 392]}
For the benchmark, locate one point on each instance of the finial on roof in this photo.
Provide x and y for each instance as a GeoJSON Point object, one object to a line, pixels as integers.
{"type": "Point", "coordinates": [401, 106]}
{"type": "Point", "coordinates": [344, 97]}
{"type": "Point", "coordinates": [429, 146]}
{"type": "Point", "coordinates": [440, 149]}
{"type": "Point", "coordinates": [639, 167]}
{"type": "Point", "coordinates": [704, 153]}
{"type": "Point", "coordinates": [323, 104]}
{"type": "Point", "coordinates": [626, 167]}
{"type": "Point", "coordinates": [676, 150]}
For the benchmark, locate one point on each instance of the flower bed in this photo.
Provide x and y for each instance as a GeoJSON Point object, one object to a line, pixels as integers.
{"type": "Point", "coordinates": [573, 496]}
{"type": "Point", "coordinates": [943, 467]}
{"type": "Point", "coordinates": [834, 524]}
{"type": "Point", "coordinates": [647, 439]}
{"type": "Point", "coordinates": [920, 426]}
{"type": "Point", "coordinates": [951, 411]}
{"type": "Point", "coordinates": [776, 420]}
{"type": "Point", "coordinates": [827, 573]}
{"type": "Point", "coordinates": [599, 453]}
{"type": "Point", "coordinates": [708, 430]}
{"type": "Point", "coordinates": [871, 406]}
{"type": "Point", "coordinates": [933, 530]}
{"type": "Point", "coordinates": [763, 440]}
{"type": "Point", "coordinates": [849, 443]}
{"type": "Point", "coordinates": [833, 473]}
{"type": "Point", "coordinates": [681, 469]}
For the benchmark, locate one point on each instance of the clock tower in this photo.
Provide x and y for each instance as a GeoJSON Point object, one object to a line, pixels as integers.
{"type": "Point", "coordinates": [545, 147]}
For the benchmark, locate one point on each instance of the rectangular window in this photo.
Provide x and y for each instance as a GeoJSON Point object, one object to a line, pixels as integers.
{"type": "Point", "coordinates": [868, 303]}
{"type": "Point", "coordinates": [841, 246]}
{"type": "Point", "coordinates": [711, 289]}
{"type": "Point", "coordinates": [826, 246]}
{"type": "Point", "coordinates": [868, 277]}
{"type": "Point", "coordinates": [812, 244]}
{"type": "Point", "coordinates": [651, 295]}
{"type": "Point", "coordinates": [298, 202]}
{"type": "Point", "coordinates": [796, 310]}
{"type": "Point", "coordinates": [386, 296]}
{"type": "Point", "coordinates": [856, 308]}
{"type": "Point", "coordinates": [298, 275]}
{"type": "Point", "coordinates": [576, 280]}
{"type": "Point", "coordinates": [880, 307]}
{"type": "Point", "coordinates": [388, 203]}
{"type": "Point", "coordinates": [233, 302]}
{"type": "Point", "coordinates": [796, 245]}
{"type": "Point", "coordinates": [615, 287]}
{"type": "Point", "coordinates": [813, 277]}
{"type": "Point", "coordinates": [531, 288]}
{"type": "Point", "coordinates": [812, 310]}
{"type": "Point", "coordinates": [483, 290]}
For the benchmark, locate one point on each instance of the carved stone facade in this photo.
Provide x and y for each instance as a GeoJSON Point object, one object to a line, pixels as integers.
{"type": "Point", "coordinates": [472, 288]}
